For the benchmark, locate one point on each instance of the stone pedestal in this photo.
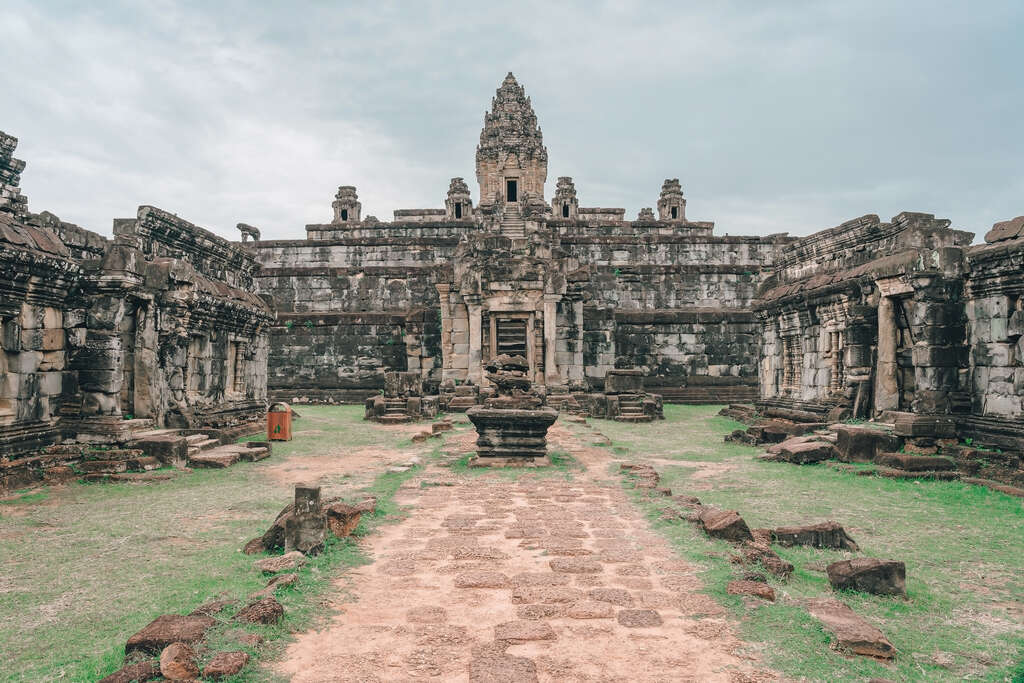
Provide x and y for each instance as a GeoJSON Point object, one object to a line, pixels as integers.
{"type": "Point", "coordinates": [511, 435]}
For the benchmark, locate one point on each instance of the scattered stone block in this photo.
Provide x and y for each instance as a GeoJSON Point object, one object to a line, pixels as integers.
{"type": "Point", "coordinates": [757, 589]}
{"type": "Point", "coordinates": [342, 519]}
{"type": "Point", "coordinates": [280, 563]}
{"type": "Point", "coordinates": [806, 452]}
{"type": "Point", "coordinates": [591, 609]}
{"type": "Point", "coordinates": [211, 607]}
{"type": "Point", "coordinates": [613, 596]}
{"type": "Point", "coordinates": [757, 554]}
{"type": "Point", "coordinates": [178, 662]}
{"type": "Point", "coordinates": [852, 633]}
{"type": "Point", "coordinates": [225, 664]}
{"type": "Point", "coordinates": [490, 664]}
{"type": "Point", "coordinates": [915, 463]}
{"type": "Point", "coordinates": [855, 443]}
{"type": "Point", "coordinates": [725, 524]}
{"type": "Point", "coordinates": [254, 547]}
{"type": "Point", "coordinates": [264, 611]}
{"type": "Point", "coordinates": [167, 629]}
{"type": "Point", "coordinates": [869, 575]}
{"type": "Point", "coordinates": [821, 535]}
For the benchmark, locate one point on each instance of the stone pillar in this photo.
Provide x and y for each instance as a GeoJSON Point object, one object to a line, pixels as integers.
{"type": "Point", "coordinates": [447, 351]}
{"type": "Point", "coordinates": [887, 389]}
{"type": "Point", "coordinates": [475, 371]}
{"type": "Point", "coordinates": [551, 374]}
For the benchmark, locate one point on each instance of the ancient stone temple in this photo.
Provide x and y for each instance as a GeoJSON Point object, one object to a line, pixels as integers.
{"type": "Point", "coordinates": [576, 291]}
{"type": "Point", "coordinates": [104, 340]}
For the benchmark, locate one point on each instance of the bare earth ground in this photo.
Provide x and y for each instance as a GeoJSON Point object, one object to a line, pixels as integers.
{"type": "Point", "coordinates": [494, 578]}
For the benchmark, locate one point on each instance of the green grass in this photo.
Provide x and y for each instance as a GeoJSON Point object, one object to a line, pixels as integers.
{"type": "Point", "coordinates": [962, 545]}
{"type": "Point", "coordinates": [89, 564]}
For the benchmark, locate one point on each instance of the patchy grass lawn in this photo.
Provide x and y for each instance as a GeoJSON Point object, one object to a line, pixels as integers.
{"type": "Point", "coordinates": [84, 566]}
{"type": "Point", "coordinates": [963, 546]}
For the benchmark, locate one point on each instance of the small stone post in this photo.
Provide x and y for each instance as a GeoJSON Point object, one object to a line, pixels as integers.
{"type": "Point", "coordinates": [305, 529]}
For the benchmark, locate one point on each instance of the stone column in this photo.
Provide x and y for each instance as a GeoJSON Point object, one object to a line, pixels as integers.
{"type": "Point", "coordinates": [551, 374]}
{"type": "Point", "coordinates": [475, 372]}
{"type": "Point", "coordinates": [443, 291]}
{"type": "Point", "coordinates": [887, 389]}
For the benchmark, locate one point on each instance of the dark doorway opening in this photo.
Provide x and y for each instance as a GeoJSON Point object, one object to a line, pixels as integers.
{"type": "Point", "coordinates": [565, 210]}
{"type": "Point", "coordinates": [511, 334]}
{"type": "Point", "coordinates": [675, 212]}
{"type": "Point", "coordinates": [344, 214]}
{"type": "Point", "coordinates": [458, 209]}
{"type": "Point", "coordinates": [511, 191]}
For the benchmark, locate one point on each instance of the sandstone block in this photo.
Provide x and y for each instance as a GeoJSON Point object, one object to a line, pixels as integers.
{"type": "Point", "coordinates": [178, 662]}
{"type": "Point", "coordinates": [852, 633]}
{"type": "Point", "coordinates": [757, 589]}
{"type": "Point", "coordinates": [725, 524]}
{"type": "Point", "coordinates": [167, 629]}
{"type": "Point", "coordinates": [869, 575]}
{"type": "Point", "coordinates": [134, 673]}
{"type": "Point", "coordinates": [821, 535]}
{"type": "Point", "coordinates": [281, 563]}
{"type": "Point", "coordinates": [225, 664]}
{"type": "Point", "coordinates": [806, 452]}
{"type": "Point", "coordinates": [264, 611]}
{"type": "Point", "coordinates": [915, 463]}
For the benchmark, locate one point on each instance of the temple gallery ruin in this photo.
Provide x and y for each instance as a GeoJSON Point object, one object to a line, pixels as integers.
{"type": "Point", "coordinates": [166, 332]}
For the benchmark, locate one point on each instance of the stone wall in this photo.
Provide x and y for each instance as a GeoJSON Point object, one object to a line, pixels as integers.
{"type": "Point", "coordinates": [104, 338]}
{"type": "Point", "coordinates": [995, 323]}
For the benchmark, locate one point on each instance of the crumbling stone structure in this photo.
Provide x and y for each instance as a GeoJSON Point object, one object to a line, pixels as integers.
{"type": "Point", "coordinates": [905, 323]}
{"type": "Point", "coordinates": [402, 400]}
{"type": "Point", "coordinates": [576, 291]}
{"type": "Point", "coordinates": [106, 339]}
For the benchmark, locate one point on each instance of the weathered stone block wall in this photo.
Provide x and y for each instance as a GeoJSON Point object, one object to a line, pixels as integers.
{"type": "Point", "coordinates": [995, 314]}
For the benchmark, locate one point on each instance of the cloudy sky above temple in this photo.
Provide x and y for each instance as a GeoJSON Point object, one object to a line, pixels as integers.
{"type": "Point", "coordinates": [792, 118]}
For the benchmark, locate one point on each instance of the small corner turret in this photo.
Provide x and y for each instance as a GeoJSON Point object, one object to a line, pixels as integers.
{"type": "Point", "coordinates": [671, 204]}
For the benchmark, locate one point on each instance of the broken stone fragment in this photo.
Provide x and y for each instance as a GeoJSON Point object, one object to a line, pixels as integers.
{"type": "Point", "coordinates": [178, 662]}
{"type": "Point", "coordinates": [757, 554]}
{"type": "Point", "coordinates": [304, 529]}
{"type": "Point", "coordinates": [342, 518]}
{"type": "Point", "coordinates": [852, 633]}
{"type": "Point", "coordinates": [725, 524]}
{"type": "Point", "coordinates": [638, 618]}
{"type": "Point", "coordinates": [167, 629]}
{"type": "Point", "coordinates": [915, 463]}
{"type": "Point", "coordinates": [755, 588]}
{"type": "Point", "coordinates": [264, 611]}
{"type": "Point", "coordinates": [225, 664]}
{"type": "Point", "coordinates": [855, 443]}
{"type": "Point", "coordinates": [821, 535]}
{"type": "Point", "coordinates": [869, 575]}
{"type": "Point", "coordinates": [280, 563]}
{"type": "Point", "coordinates": [523, 630]}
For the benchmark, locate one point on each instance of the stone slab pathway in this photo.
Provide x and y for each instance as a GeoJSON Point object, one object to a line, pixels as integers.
{"type": "Point", "coordinates": [535, 579]}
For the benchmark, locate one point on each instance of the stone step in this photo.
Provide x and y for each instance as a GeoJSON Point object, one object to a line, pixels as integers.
{"type": "Point", "coordinates": [395, 418]}
{"type": "Point", "coordinates": [633, 418]}
{"type": "Point", "coordinates": [205, 444]}
{"type": "Point", "coordinates": [195, 438]}
{"type": "Point", "coordinates": [103, 466]}
{"type": "Point", "coordinates": [225, 456]}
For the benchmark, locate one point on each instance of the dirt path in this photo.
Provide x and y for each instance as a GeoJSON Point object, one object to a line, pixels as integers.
{"type": "Point", "coordinates": [533, 579]}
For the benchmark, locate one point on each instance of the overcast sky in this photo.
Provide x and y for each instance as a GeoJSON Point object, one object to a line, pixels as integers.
{"type": "Point", "coordinates": [787, 119]}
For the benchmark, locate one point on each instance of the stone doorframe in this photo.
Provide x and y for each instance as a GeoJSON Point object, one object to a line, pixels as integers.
{"type": "Point", "coordinates": [887, 388]}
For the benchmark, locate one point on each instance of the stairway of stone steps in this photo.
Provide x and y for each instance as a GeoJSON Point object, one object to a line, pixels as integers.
{"type": "Point", "coordinates": [395, 411]}
{"type": "Point", "coordinates": [200, 442]}
{"type": "Point", "coordinates": [631, 409]}
{"type": "Point", "coordinates": [512, 223]}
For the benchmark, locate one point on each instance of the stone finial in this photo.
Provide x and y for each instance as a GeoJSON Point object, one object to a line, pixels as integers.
{"type": "Point", "coordinates": [458, 205]}
{"type": "Point", "coordinates": [346, 205]}
{"type": "Point", "coordinates": [248, 231]}
{"type": "Point", "coordinates": [646, 214]}
{"type": "Point", "coordinates": [671, 204]}
{"type": "Point", "coordinates": [564, 205]}
{"type": "Point", "coordinates": [11, 199]}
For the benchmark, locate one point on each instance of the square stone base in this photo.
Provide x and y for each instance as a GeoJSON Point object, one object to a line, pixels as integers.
{"type": "Point", "coordinates": [477, 461]}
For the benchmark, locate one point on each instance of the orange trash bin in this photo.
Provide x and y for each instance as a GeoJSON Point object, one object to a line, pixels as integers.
{"type": "Point", "coordinates": [279, 422]}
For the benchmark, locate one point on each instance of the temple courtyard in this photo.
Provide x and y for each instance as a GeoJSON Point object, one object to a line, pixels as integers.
{"type": "Point", "coordinates": [586, 569]}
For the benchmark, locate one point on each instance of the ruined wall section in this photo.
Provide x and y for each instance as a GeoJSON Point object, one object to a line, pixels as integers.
{"type": "Point", "coordinates": [864, 318]}
{"type": "Point", "coordinates": [355, 302]}
{"type": "Point", "coordinates": [995, 314]}
{"type": "Point", "coordinates": [673, 299]}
